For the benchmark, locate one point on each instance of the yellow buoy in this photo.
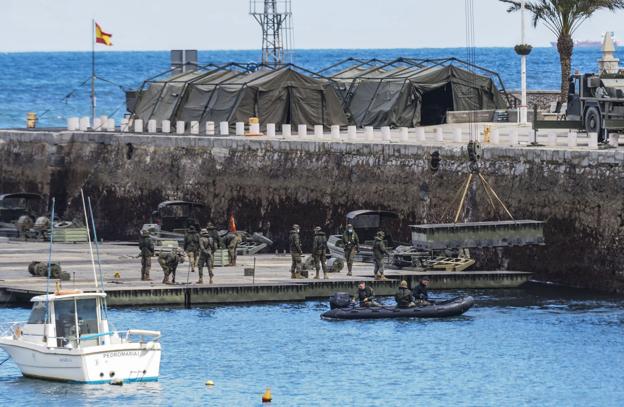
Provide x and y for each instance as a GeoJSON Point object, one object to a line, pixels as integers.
{"type": "Point", "coordinates": [209, 383]}
{"type": "Point", "coordinates": [266, 397]}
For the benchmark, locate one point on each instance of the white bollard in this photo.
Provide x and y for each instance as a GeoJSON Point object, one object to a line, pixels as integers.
{"type": "Point", "coordinates": [73, 123]}
{"type": "Point", "coordinates": [439, 134]}
{"type": "Point", "coordinates": [403, 131]}
{"type": "Point", "coordinates": [97, 124]}
{"type": "Point", "coordinates": [302, 130]}
{"type": "Point", "coordinates": [84, 123]}
{"type": "Point", "coordinates": [271, 129]}
{"type": "Point", "coordinates": [572, 138]}
{"type": "Point", "coordinates": [224, 128]}
{"type": "Point", "coordinates": [165, 126]}
{"type": "Point", "coordinates": [420, 134]}
{"type": "Point", "coordinates": [351, 133]}
{"type": "Point", "coordinates": [138, 126]}
{"type": "Point", "coordinates": [369, 133]}
{"type": "Point", "coordinates": [240, 128]}
{"type": "Point", "coordinates": [457, 135]}
{"type": "Point", "coordinates": [194, 127]}
{"type": "Point", "coordinates": [495, 138]}
{"type": "Point", "coordinates": [210, 128]}
{"type": "Point", "coordinates": [286, 130]}
{"type": "Point", "coordinates": [110, 124]}
{"type": "Point", "coordinates": [254, 128]}
{"type": "Point", "coordinates": [103, 120]}
{"type": "Point", "coordinates": [552, 139]}
{"type": "Point", "coordinates": [513, 137]}
{"type": "Point", "coordinates": [180, 127]}
{"type": "Point", "coordinates": [385, 132]}
{"type": "Point", "coordinates": [593, 140]}
{"type": "Point", "coordinates": [614, 140]}
{"type": "Point", "coordinates": [335, 131]}
{"type": "Point", "coordinates": [318, 131]}
{"type": "Point", "coordinates": [151, 126]}
{"type": "Point", "coordinates": [124, 125]}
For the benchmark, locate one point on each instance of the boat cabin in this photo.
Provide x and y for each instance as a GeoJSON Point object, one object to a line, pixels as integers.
{"type": "Point", "coordinates": [67, 319]}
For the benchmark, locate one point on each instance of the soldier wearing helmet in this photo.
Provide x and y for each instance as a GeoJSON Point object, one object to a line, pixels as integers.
{"type": "Point", "coordinates": [146, 248]}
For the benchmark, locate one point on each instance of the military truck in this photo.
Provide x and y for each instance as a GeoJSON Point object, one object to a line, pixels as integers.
{"type": "Point", "coordinates": [596, 103]}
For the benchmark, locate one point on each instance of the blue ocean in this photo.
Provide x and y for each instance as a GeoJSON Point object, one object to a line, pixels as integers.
{"type": "Point", "coordinates": [55, 85]}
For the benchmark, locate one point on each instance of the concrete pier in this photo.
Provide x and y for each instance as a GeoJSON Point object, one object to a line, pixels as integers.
{"type": "Point", "coordinates": [270, 284]}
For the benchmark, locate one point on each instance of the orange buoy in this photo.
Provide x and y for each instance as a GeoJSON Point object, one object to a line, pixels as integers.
{"type": "Point", "coordinates": [266, 397]}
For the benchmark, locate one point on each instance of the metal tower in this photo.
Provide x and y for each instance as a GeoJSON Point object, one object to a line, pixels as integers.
{"type": "Point", "coordinates": [275, 18]}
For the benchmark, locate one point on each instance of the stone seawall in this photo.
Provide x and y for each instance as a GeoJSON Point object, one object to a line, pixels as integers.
{"type": "Point", "coordinates": [580, 193]}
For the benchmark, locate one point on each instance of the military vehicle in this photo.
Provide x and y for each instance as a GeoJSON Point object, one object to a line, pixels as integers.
{"type": "Point", "coordinates": [19, 212]}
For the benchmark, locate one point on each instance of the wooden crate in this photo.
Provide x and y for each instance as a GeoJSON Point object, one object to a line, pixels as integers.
{"type": "Point", "coordinates": [221, 257]}
{"type": "Point", "coordinates": [70, 235]}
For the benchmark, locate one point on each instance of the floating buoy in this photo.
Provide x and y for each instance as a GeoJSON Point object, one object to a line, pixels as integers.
{"type": "Point", "coordinates": [266, 397]}
{"type": "Point", "coordinates": [116, 382]}
{"type": "Point", "coordinates": [209, 383]}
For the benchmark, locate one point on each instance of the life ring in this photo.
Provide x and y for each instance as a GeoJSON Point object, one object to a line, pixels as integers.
{"type": "Point", "coordinates": [67, 292]}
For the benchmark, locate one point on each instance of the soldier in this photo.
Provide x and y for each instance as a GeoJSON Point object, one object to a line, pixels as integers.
{"type": "Point", "coordinates": [351, 246]}
{"type": "Point", "coordinates": [206, 250]}
{"type": "Point", "coordinates": [421, 296]}
{"type": "Point", "coordinates": [191, 246]}
{"type": "Point", "coordinates": [146, 247]}
{"type": "Point", "coordinates": [319, 250]}
{"type": "Point", "coordinates": [404, 297]}
{"type": "Point", "coordinates": [366, 296]}
{"type": "Point", "coordinates": [379, 252]}
{"type": "Point", "coordinates": [214, 234]}
{"type": "Point", "coordinates": [231, 241]}
{"type": "Point", "coordinates": [169, 262]}
{"type": "Point", "coordinates": [295, 252]}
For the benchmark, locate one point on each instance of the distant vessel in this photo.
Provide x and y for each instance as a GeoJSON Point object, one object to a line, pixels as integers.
{"type": "Point", "coordinates": [588, 43]}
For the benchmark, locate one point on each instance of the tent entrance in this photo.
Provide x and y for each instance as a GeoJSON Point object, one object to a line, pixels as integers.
{"type": "Point", "coordinates": [435, 104]}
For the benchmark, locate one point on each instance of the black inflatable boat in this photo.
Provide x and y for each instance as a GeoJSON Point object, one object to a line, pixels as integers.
{"type": "Point", "coordinates": [439, 309]}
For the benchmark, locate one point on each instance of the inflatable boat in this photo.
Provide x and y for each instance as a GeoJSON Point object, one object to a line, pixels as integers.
{"type": "Point", "coordinates": [439, 309]}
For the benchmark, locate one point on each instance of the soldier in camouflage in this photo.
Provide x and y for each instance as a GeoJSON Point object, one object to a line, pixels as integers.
{"type": "Point", "coordinates": [319, 251]}
{"type": "Point", "coordinates": [146, 247]}
{"type": "Point", "coordinates": [206, 250]}
{"type": "Point", "coordinates": [379, 252]}
{"type": "Point", "coordinates": [351, 246]}
{"type": "Point", "coordinates": [191, 246]}
{"type": "Point", "coordinates": [295, 252]}
{"type": "Point", "coordinates": [169, 262]}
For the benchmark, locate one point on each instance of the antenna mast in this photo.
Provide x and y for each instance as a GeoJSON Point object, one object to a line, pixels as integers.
{"type": "Point", "coordinates": [275, 19]}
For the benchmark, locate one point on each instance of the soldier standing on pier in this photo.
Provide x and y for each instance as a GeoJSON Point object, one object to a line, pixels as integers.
{"type": "Point", "coordinates": [212, 232]}
{"type": "Point", "coordinates": [191, 246]}
{"type": "Point", "coordinates": [206, 251]}
{"type": "Point", "coordinates": [295, 252]}
{"type": "Point", "coordinates": [146, 246]}
{"type": "Point", "coordinates": [319, 251]}
{"type": "Point", "coordinates": [379, 252]}
{"type": "Point", "coordinates": [351, 246]}
{"type": "Point", "coordinates": [231, 241]}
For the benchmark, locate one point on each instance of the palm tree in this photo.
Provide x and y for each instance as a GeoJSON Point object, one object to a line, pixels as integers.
{"type": "Point", "coordinates": [563, 18]}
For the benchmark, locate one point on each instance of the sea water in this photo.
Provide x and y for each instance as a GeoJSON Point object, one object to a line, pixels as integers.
{"type": "Point", "coordinates": [531, 347]}
{"type": "Point", "coordinates": [56, 85]}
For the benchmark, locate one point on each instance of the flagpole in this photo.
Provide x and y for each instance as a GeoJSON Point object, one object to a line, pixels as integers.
{"type": "Point", "coordinates": [93, 73]}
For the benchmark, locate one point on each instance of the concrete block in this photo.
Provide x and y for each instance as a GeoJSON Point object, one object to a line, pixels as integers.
{"type": "Point", "coordinates": [73, 123]}
{"type": "Point", "coordinates": [572, 138]}
{"type": "Point", "coordinates": [318, 131]}
{"type": "Point", "coordinates": [110, 124]}
{"type": "Point", "coordinates": [84, 123]}
{"type": "Point", "coordinates": [240, 128]}
{"type": "Point", "coordinates": [194, 127]}
{"type": "Point", "coordinates": [439, 134]}
{"type": "Point", "coordinates": [286, 130]}
{"type": "Point", "coordinates": [125, 125]}
{"type": "Point", "coordinates": [180, 127]}
{"type": "Point", "coordinates": [495, 136]}
{"type": "Point", "coordinates": [335, 132]}
{"type": "Point", "coordinates": [369, 133]}
{"type": "Point", "coordinates": [592, 142]}
{"type": "Point", "coordinates": [224, 128]}
{"type": "Point", "coordinates": [270, 129]}
{"type": "Point", "coordinates": [404, 134]}
{"type": "Point", "coordinates": [97, 124]}
{"type": "Point", "coordinates": [151, 126]}
{"type": "Point", "coordinates": [385, 132]}
{"type": "Point", "coordinates": [457, 135]}
{"type": "Point", "coordinates": [138, 126]}
{"type": "Point", "coordinates": [165, 126]}
{"type": "Point", "coordinates": [513, 137]}
{"type": "Point", "coordinates": [420, 134]}
{"type": "Point", "coordinates": [614, 140]}
{"type": "Point", "coordinates": [302, 130]}
{"type": "Point", "coordinates": [210, 128]}
{"type": "Point", "coordinates": [552, 139]}
{"type": "Point", "coordinates": [351, 132]}
{"type": "Point", "coordinates": [254, 128]}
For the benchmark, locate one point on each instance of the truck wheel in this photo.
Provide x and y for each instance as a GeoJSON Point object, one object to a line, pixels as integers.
{"type": "Point", "coordinates": [593, 123]}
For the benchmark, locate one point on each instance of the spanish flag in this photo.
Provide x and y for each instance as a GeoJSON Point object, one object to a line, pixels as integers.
{"type": "Point", "coordinates": [101, 37]}
{"type": "Point", "coordinates": [232, 223]}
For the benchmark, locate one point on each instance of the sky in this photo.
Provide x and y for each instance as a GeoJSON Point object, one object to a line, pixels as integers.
{"type": "Point", "coordinates": [65, 25]}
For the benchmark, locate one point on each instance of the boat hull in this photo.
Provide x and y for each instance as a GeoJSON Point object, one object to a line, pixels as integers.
{"type": "Point", "coordinates": [132, 362]}
{"type": "Point", "coordinates": [444, 309]}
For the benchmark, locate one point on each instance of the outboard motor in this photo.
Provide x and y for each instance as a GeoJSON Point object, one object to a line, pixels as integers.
{"type": "Point", "coordinates": [340, 300]}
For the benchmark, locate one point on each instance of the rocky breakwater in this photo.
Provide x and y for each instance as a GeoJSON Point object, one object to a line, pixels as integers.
{"type": "Point", "coordinates": [579, 193]}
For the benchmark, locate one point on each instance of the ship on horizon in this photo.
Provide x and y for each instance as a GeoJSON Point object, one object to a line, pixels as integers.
{"type": "Point", "coordinates": [589, 43]}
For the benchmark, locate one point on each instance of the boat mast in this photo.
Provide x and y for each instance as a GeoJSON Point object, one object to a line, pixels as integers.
{"type": "Point", "coordinates": [84, 207]}
{"type": "Point", "coordinates": [97, 252]}
{"type": "Point", "coordinates": [50, 258]}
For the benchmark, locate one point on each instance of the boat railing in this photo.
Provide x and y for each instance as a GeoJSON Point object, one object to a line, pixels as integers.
{"type": "Point", "coordinates": [125, 335]}
{"type": "Point", "coordinates": [12, 328]}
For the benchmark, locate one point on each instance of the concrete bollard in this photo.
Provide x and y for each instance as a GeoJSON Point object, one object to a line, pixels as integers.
{"type": "Point", "coordinates": [614, 140]}
{"type": "Point", "coordinates": [457, 135]}
{"type": "Point", "coordinates": [180, 127]}
{"type": "Point", "coordinates": [210, 128]}
{"type": "Point", "coordinates": [97, 124]}
{"type": "Point", "coordinates": [151, 126]}
{"type": "Point", "coordinates": [165, 126]}
{"type": "Point", "coordinates": [73, 123]}
{"type": "Point", "coordinates": [404, 134]}
{"type": "Point", "coordinates": [124, 126]}
{"type": "Point", "coordinates": [572, 138]}
{"type": "Point", "coordinates": [552, 139]}
{"type": "Point", "coordinates": [420, 134]}
{"type": "Point", "coordinates": [271, 129]}
{"type": "Point", "coordinates": [318, 131]}
{"type": "Point", "coordinates": [194, 127]}
{"type": "Point", "coordinates": [335, 132]}
{"type": "Point", "coordinates": [592, 141]}
{"type": "Point", "coordinates": [84, 124]}
{"type": "Point", "coordinates": [495, 139]}
{"type": "Point", "coordinates": [302, 130]}
{"type": "Point", "coordinates": [102, 126]}
{"type": "Point", "coordinates": [224, 128]}
{"type": "Point", "coordinates": [240, 128]}
{"type": "Point", "coordinates": [286, 130]}
{"type": "Point", "coordinates": [385, 132]}
{"type": "Point", "coordinates": [351, 133]}
{"type": "Point", "coordinates": [138, 126]}
{"type": "Point", "coordinates": [254, 129]}
{"type": "Point", "coordinates": [110, 124]}
{"type": "Point", "coordinates": [369, 133]}
{"type": "Point", "coordinates": [513, 137]}
{"type": "Point", "coordinates": [439, 134]}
